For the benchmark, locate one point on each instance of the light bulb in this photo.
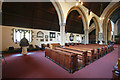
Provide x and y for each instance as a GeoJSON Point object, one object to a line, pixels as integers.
{"type": "Point", "coordinates": [76, 4]}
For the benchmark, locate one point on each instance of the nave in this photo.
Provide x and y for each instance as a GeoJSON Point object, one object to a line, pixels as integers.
{"type": "Point", "coordinates": [57, 39]}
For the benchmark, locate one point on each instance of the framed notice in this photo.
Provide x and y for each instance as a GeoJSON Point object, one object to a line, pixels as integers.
{"type": "Point", "coordinates": [52, 34]}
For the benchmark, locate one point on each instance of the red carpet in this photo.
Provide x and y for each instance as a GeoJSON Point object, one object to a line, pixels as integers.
{"type": "Point", "coordinates": [35, 65]}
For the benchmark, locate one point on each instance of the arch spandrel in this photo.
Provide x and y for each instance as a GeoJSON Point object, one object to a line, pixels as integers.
{"type": "Point", "coordinates": [96, 21]}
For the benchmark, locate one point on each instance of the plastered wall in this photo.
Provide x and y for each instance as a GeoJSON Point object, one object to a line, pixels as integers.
{"type": "Point", "coordinates": [7, 35]}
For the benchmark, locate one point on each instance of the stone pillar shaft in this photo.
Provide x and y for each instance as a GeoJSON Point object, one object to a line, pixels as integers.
{"type": "Point", "coordinates": [113, 36]}
{"type": "Point", "coordinates": [86, 36]}
{"type": "Point", "coordinates": [62, 34]}
{"type": "Point", "coordinates": [100, 38]}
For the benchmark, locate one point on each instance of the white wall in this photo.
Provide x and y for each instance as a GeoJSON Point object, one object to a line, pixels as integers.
{"type": "Point", "coordinates": [7, 35]}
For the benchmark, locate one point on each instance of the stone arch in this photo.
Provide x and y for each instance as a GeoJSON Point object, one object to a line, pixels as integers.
{"type": "Point", "coordinates": [106, 20]}
{"type": "Point", "coordinates": [116, 27]}
{"type": "Point", "coordinates": [91, 29]}
{"type": "Point", "coordinates": [82, 13]}
{"type": "Point", "coordinates": [117, 21]}
{"type": "Point", "coordinates": [97, 27]}
{"type": "Point", "coordinates": [1, 5]}
{"type": "Point", "coordinates": [96, 22]}
{"type": "Point", "coordinates": [59, 11]}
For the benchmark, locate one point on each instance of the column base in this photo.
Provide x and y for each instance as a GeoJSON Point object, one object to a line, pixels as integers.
{"type": "Point", "coordinates": [101, 43]}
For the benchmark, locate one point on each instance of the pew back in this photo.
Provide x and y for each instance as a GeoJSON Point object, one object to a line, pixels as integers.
{"type": "Point", "coordinates": [66, 60]}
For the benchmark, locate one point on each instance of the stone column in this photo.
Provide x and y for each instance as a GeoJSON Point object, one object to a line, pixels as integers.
{"type": "Point", "coordinates": [113, 36]}
{"type": "Point", "coordinates": [100, 38]}
{"type": "Point", "coordinates": [62, 34]}
{"type": "Point", "coordinates": [86, 36]}
{"type": "Point", "coordinates": [97, 34]}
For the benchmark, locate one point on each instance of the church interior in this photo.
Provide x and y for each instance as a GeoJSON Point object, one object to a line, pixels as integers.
{"type": "Point", "coordinates": [60, 40]}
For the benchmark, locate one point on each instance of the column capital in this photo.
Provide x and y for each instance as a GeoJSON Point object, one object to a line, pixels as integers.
{"type": "Point", "coordinates": [100, 33]}
{"type": "Point", "coordinates": [62, 24]}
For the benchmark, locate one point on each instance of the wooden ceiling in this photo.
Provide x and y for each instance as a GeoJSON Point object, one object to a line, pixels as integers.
{"type": "Point", "coordinates": [38, 15]}
{"type": "Point", "coordinates": [35, 15]}
{"type": "Point", "coordinates": [74, 23]}
{"type": "Point", "coordinates": [42, 15]}
{"type": "Point", "coordinates": [115, 15]}
{"type": "Point", "coordinates": [96, 7]}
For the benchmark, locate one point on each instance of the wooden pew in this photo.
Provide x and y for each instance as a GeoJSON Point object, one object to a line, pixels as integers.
{"type": "Point", "coordinates": [116, 71]}
{"type": "Point", "coordinates": [98, 52]}
{"type": "Point", "coordinates": [111, 48]}
{"type": "Point", "coordinates": [90, 52]}
{"type": "Point", "coordinates": [67, 44]}
{"type": "Point", "coordinates": [67, 60]}
{"type": "Point", "coordinates": [52, 45]}
{"type": "Point", "coordinates": [101, 51]}
{"type": "Point", "coordinates": [92, 55]}
{"type": "Point", "coordinates": [105, 49]}
{"type": "Point", "coordinates": [43, 46]}
{"type": "Point", "coordinates": [83, 56]}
